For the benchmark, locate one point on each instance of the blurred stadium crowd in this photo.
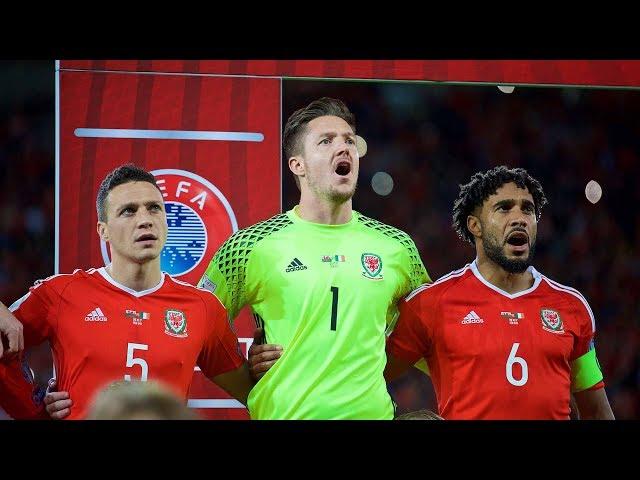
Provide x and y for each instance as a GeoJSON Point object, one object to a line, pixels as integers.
{"type": "Point", "coordinates": [429, 139]}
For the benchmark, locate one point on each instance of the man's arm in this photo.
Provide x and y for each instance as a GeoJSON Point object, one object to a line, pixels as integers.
{"type": "Point", "coordinates": [593, 405]}
{"type": "Point", "coordinates": [237, 383]}
{"type": "Point", "coordinates": [11, 330]}
{"type": "Point", "coordinates": [395, 367]}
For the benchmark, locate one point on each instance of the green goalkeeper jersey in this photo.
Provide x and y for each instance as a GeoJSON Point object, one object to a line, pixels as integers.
{"type": "Point", "coordinates": [326, 293]}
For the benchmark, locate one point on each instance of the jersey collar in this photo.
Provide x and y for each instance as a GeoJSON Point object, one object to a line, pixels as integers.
{"type": "Point", "coordinates": [102, 271]}
{"type": "Point", "coordinates": [295, 218]}
{"type": "Point", "coordinates": [537, 278]}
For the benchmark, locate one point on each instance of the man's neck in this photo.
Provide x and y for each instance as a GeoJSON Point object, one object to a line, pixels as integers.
{"type": "Point", "coordinates": [323, 211]}
{"type": "Point", "coordinates": [135, 276]}
{"type": "Point", "coordinates": [499, 277]}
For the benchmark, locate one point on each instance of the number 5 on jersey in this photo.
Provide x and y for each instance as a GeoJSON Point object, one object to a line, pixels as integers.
{"type": "Point", "coordinates": [132, 361]}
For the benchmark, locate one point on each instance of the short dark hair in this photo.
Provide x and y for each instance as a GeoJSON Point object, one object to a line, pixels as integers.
{"type": "Point", "coordinates": [297, 122]}
{"type": "Point", "coordinates": [123, 174]}
{"type": "Point", "coordinates": [485, 184]}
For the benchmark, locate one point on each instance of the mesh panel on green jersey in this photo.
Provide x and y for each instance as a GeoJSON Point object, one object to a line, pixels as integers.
{"type": "Point", "coordinates": [231, 258]}
{"type": "Point", "coordinates": [417, 271]}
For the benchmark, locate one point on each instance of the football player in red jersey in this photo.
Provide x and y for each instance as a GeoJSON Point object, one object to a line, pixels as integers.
{"type": "Point", "coordinates": [501, 340]}
{"type": "Point", "coordinates": [128, 320]}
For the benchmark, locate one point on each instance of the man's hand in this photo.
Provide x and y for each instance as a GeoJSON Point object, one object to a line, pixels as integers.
{"type": "Point", "coordinates": [11, 333]}
{"type": "Point", "coordinates": [262, 357]}
{"type": "Point", "coordinates": [57, 404]}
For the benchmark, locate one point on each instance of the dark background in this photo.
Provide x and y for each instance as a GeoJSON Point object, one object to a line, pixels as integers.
{"type": "Point", "coordinates": [431, 138]}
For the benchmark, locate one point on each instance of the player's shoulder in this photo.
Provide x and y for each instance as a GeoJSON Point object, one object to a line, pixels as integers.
{"type": "Point", "coordinates": [568, 295]}
{"type": "Point", "coordinates": [442, 285]}
{"type": "Point", "coordinates": [383, 231]}
{"type": "Point", "coordinates": [61, 280]}
{"type": "Point", "coordinates": [247, 238]}
{"type": "Point", "coordinates": [187, 290]}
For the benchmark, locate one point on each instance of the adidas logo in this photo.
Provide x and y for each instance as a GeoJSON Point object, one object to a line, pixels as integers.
{"type": "Point", "coordinates": [95, 316]}
{"type": "Point", "coordinates": [295, 265]}
{"type": "Point", "coordinates": [472, 317]}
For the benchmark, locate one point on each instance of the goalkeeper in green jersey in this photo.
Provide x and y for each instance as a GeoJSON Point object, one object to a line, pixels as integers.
{"type": "Point", "coordinates": [321, 279]}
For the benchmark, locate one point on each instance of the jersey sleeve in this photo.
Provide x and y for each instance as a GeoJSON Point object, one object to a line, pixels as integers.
{"type": "Point", "coordinates": [20, 397]}
{"type": "Point", "coordinates": [226, 275]}
{"type": "Point", "coordinates": [411, 338]}
{"type": "Point", "coordinates": [221, 351]}
{"type": "Point", "coordinates": [416, 271]}
{"type": "Point", "coordinates": [36, 311]}
{"type": "Point", "coordinates": [413, 274]}
{"type": "Point", "coordinates": [585, 369]}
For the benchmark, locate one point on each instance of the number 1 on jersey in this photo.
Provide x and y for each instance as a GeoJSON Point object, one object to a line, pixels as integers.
{"type": "Point", "coordinates": [334, 308]}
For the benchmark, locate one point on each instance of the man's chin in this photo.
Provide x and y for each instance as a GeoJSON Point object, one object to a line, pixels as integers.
{"type": "Point", "coordinates": [342, 194]}
{"type": "Point", "coordinates": [148, 256]}
{"type": "Point", "coordinates": [516, 264]}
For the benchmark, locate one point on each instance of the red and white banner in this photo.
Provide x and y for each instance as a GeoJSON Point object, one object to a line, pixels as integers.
{"type": "Point", "coordinates": [213, 144]}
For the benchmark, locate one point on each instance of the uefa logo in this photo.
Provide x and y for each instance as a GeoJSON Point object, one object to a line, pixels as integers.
{"type": "Point", "coordinates": [199, 220]}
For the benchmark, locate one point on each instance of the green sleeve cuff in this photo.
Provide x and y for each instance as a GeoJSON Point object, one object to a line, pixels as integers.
{"type": "Point", "coordinates": [585, 372]}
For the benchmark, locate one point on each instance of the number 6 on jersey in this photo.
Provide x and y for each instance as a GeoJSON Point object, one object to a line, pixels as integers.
{"type": "Point", "coordinates": [509, 367]}
{"type": "Point", "coordinates": [131, 361]}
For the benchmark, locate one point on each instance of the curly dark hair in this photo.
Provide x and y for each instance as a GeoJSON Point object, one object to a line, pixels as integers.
{"type": "Point", "coordinates": [485, 184]}
{"type": "Point", "coordinates": [123, 174]}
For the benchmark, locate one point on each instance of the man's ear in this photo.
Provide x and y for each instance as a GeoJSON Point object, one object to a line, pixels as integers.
{"type": "Point", "coordinates": [103, 231]}
{"type": "Point", "coordinates": [474, 226]}
{"type": "Point", "coordinates": [296, 165]}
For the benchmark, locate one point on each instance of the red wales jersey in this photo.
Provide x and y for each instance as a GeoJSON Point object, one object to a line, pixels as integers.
{"type": "Point", "coordinates": [491, 354]}
{"type": "Point", "coordinates": [19, 396]}
{"type": "Point", "coordinates": [101, 331]}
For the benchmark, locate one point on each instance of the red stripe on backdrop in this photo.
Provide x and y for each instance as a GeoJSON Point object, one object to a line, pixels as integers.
{"type": "Point", "coordinates": [118, 110]}
{"type": "Point", "coordinates": [167, 66]}
{"type": "Point", "coordinates": [264, 100]}
{"type": "Point", "coordinates": [517, 70]}
{"type": "Point", "coordinates": [360, 69]}
{"type": "Point", "coordinates": [546, 70]}
{"type": "Point", "coordinates": [572, 72]}
{"type": "Point", "coordinates": [212, 158]}
{"type": "Point", "coordinates": [141, 115]}
{"type": "Point", "coordinates": [80, 64]}
{"type": "Point", "coordinates": [437, 69]}
{"type": "Point", "coordinates": [261, 67]}
{"type": "Point", "coordinates": [333, 69]}
{"type": "Point", "coordinates": [238, 150]}
{"type": "Point", "coordinates": [215, 66]}
{"type": "Point", "coordinates": [309, 68]}
{"type": "Point", "coordinates": [383, 68]}
{"type": "Point", "coordinates": [190, 108]}
{"type": "Point", "coordinates": [624, 71]}
{"type": "Point", "coordinates": [73, 113]}
{"type": "Point", "coordinates": [287, 67]}
{"type": "Point", "coordinates": [86, 232]}
{"type": "Point", "coordinates": [165, 115]}
{"type": "Point", "coordinates": [493, 73]}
